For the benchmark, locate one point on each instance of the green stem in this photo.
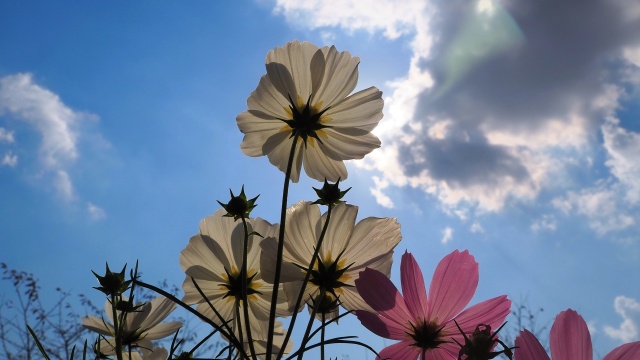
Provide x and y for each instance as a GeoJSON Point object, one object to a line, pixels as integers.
{"type": "Point", "coordinates": [322, 337]}
{"type": "Point", "coordinates": [314, 311]}
{"type": "Point", "coordinates": [278, 269]}
{"type": "Point", "coordinates": [244, 297]}
{"type": "Point", "coordinates": [116, 327]}
{"type": "Point", "coordinates": [306, 280]}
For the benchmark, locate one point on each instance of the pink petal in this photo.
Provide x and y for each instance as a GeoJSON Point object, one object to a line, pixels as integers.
{"type": "Point", "coordinates": [379, 292]}
{"type": "Point", "coordinates": [570, 338]}
{"type": "Point", "coordinates": [382, 326]}
{"type": "Point", "coordinates": [415, 294]}
{"type": "Point", "coordinates": [630, 351]}
{"type": "Point", "coordinates": [529, 348]}
{"type": "Point", "coordinates": [400, 351]}
{"type": "Point", "coordinates": [490, 312]}
{"type": "Point", "coordinates": [453, 285]}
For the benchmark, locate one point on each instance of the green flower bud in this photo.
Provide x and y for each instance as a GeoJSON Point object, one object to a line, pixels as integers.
{"type": "Point", "coordinates": [239, 207]}
{"type": "Point", "coordinates": [112, 284]}
{"type": "Point", "coordinates": [330, 194]}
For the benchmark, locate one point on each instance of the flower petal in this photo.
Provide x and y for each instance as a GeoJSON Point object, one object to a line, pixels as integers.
{"type": "Point", "coordinates": [415, 294]}
{"type": "Point", "coordinates": [338, 235]}
{"type": "Point", "coordinates": [340, 76]}
{"type": "Point", "coordinates": [289, 71]}
{"type": "Point", "coordinates": [490, 312]}
{"type": "Point", "coordinates": [570, 338]}
{"type": "Point", "coordinates": [319, 166]}
{"type": "Point", "coordinates": [162, 330]}
{"type": "Point", "coordinates": [362, 110]}
{"type": "Point", "coordinates": [630, 351]}
{"type": "Point", "coordinates": [383, 297]}
{"type": "Point", "coordinates": [529, 348]}
{"type": "Point", "coordinates": [403, 350]}
{"type": "Point", "coordinates": [340, 146]}
{"type": "Point", "coordinates": [453, 285]}
{"type": "Point", "coordinates": [382, 326]}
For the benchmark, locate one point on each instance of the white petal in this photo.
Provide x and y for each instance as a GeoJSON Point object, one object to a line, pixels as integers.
{"type": "Point", "coordinates": [288, 69]}
{"type": "Point", "coordinates": [339, 146]}
{"type": "Point", "coordinates": [278, 149]}
{"type": "Point", "coordinates": [162, 330]}
{"type": "Point", "coordinates": [340, 77]}
{"type": "Point", "coordinates": [371, 238]}
{"type": "Point", "coordinates": [161, 307]}
{"type": "Point", "coordinates": [97, 325]}
{"type": "Point", "coordinates": [362, 110]}
{"type": "Point", "coordinates": [319, 166]}
{"type": "Point", "coordinates": [343, 218]}
{"type": "Point", "coordinates": [267, 99]}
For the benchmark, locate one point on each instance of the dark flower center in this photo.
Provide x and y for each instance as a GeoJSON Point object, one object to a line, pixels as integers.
{"type": "Point", "coordinates": [306, 121]}
{"type": "Point", "coordinates": [427, 335]}
{"type": "Point", "coordinates": [328, 277]}
{"type": "Point", "coordinates": [234, 285]}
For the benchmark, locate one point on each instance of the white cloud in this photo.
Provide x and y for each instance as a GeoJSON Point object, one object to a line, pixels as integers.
{"type": "Point", "coordinates": [601, 205]}
{"type": "Point", "coordinates": [393, 18]}
{"type": "Point", "coordinates": [623, 149]}
{"type": "Point", "coordinates": [629, 329]}
{"type": "Point", "coordinates": [447, 235]}
{"type": "Point", "coordinates": [6, 136]}
{"type": "Point", "coordinates": [9, 159]}
{"type": "Point", "coordinates": [63, 185]}
{"type": "Point", "coordinates": [544, 223]}
{"type": "Point", "coordinates": [486, 116]}
{"type": "Point", "coordinates": [96, 212]}
{"type": "Point", "coordinates": [477, 228]}
{"type": "Point", "coordinates": [22, 99]}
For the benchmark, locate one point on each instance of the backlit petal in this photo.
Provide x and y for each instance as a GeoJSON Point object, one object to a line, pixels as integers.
{"type": "Point", "coordinates": [379, 292]}
{"type": "Point", "coordinates": [529, 348]}
{"type": "Point", "coordinates": [413, 289]}
{"type": "Point", "coordinates": [400, 351]}
{"type": "Point", "coordinates": [570, 338]}
{"type": "Point", "coordinates": [454, 282]}
{"type": "Point", "coordinates": [630, 351]}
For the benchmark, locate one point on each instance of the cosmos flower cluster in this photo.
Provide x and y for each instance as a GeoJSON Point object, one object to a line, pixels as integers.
{"type": "Point", "coordinates": [244, 275]}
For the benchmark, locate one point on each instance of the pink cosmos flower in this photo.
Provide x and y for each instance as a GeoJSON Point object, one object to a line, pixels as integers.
{"type": "Point", "coordinates": [570, 340]}
{"type": "Point", "coordinates": [423, 323]}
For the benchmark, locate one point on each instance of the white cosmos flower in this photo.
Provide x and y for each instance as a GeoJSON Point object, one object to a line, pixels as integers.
{"type": "Point", "coordinates": [141, 326]}
{"type": "Point", "coordinates": [305, 93]}
{"type": "Point", "coordinates": [213, 258]}
{"type": "Point", "coordinates": [347, 249]}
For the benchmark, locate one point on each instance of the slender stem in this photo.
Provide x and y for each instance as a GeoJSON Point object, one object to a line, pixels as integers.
{"type": "Point", "coordinates": [116, 327]}
{"type": "Point", "coordinates": [318, 302]}
{"type": "Point", "coordinates": [306, 280]}
{"type": "Point", "coordinates": [278, 269]}
{"type": "Point", "coordinates": [322, 337]}
{"type": "Point", "coordinates": [244, 297]}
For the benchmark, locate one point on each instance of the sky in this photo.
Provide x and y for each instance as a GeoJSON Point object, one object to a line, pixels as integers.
{"type": "Point", "coordinates": [511, 129]}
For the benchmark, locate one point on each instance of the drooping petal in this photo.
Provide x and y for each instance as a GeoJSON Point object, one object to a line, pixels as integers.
{"type": "Point", "coordinates": [569, 337]}
{"type": "Point", "coordinates": [383, 297]}
{"type": "Point", "coordinates": [630, 351]}
{"type": "Point", "coordinates": [161, 307]}
{"type": "Point", "coordinates": [163, 330]}
{"type": "Point", "coordinates": [97, 325]}
{"type": "Point", "coordinates": [319, 166]}
{"type": "Point", "coordinates": [453, 285]}
{"type": "Point", "coordinates": [382, 326]}
{"type": "Point", "coordinates": [400, 351]}
{"type": "Point", "coordinates": [413, 289]}
{"type": "Point", "coordinates": [529, 348]}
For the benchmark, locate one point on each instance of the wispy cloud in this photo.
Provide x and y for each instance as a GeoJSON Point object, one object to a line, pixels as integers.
{"type": "Point", "coordinates": [96, 212]}
{"type": "Point", "coordinates": [629, 328]}
{"type": "Point", "coordinates": [478, 123]}
{"type": "Point", "coordinates": [22, 99]}
{"type": "Point", "coordinates": [447, 235]}
{"type": "Point", "coordinates": [9, 159]}
{"type": "Point", "coordinates": [6, 136]}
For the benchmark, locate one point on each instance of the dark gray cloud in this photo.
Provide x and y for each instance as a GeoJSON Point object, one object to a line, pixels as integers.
{"type": "Point", "coordinates": [557, 72]}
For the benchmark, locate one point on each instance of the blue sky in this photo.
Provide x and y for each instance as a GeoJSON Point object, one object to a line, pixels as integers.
{"type": "Point", "coordinates": [510, 130]}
